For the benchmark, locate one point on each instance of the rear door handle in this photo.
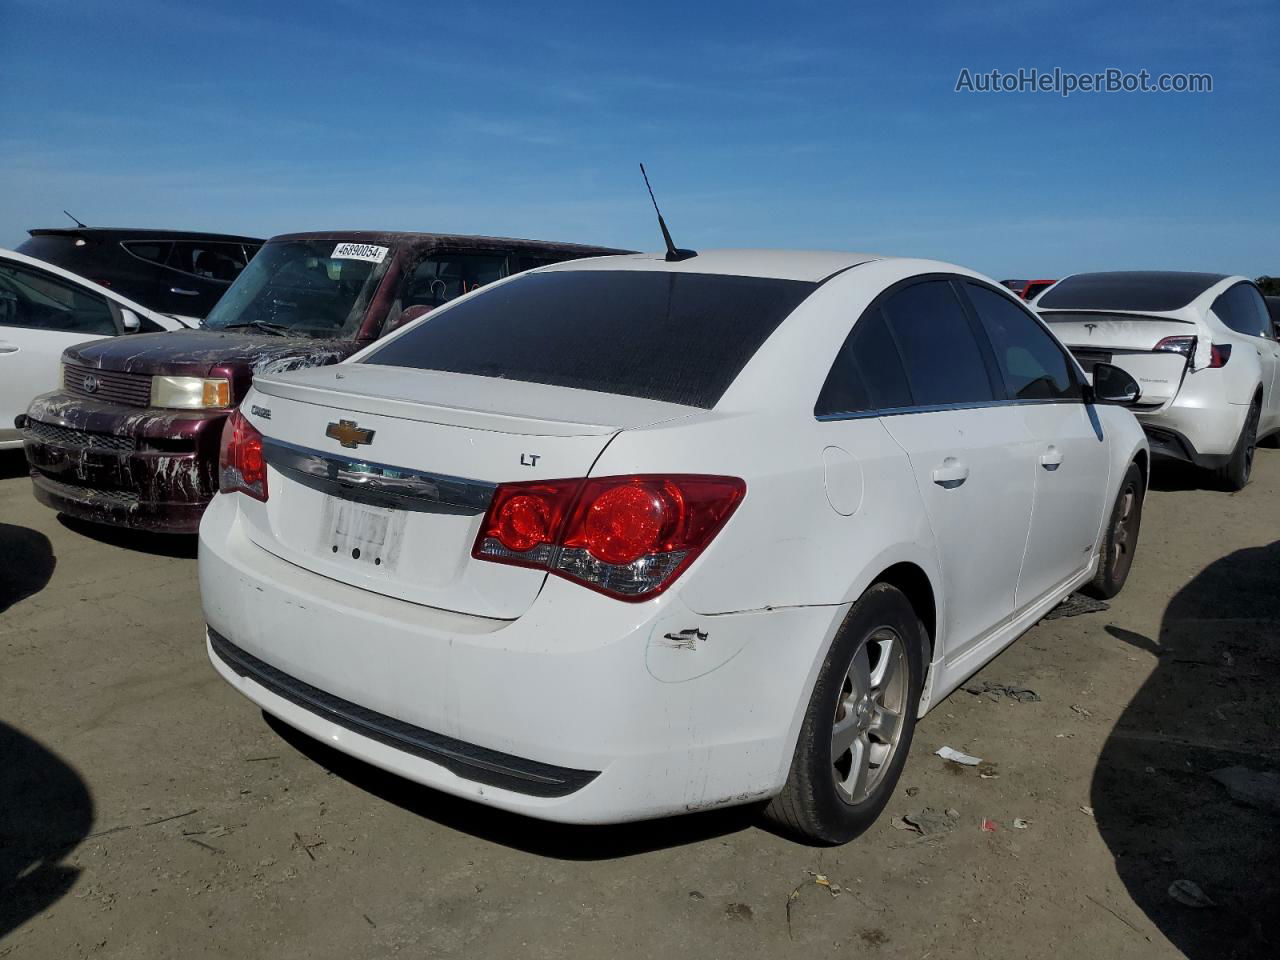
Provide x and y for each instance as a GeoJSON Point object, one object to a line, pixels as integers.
{"type": "Point", "coordinates": [183, 292]}
{"type": "Point", "coordinates": [950, 473]}
{"type": "Point", "coordinates": [8, 348]}
{"type": "Point", "coordinates": [1051, 459]}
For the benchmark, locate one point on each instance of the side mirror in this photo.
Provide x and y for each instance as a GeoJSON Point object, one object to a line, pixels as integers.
{"type": "Point", "coordinates": [130, 321]}
{"type": "Point", "coordinates": [1113, 385]}
{"type": "Point", "coordinates": [408, 315]}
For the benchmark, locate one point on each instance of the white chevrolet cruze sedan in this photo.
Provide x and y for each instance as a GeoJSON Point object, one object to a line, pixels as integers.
{"type": "Point", "coordinates": [1202, 347]}
{"type": "Point", "coordinates": [625, 537]}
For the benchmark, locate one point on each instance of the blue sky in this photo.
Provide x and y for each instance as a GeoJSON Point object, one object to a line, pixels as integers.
{"type": "Point", "coordinates": [804, 125]}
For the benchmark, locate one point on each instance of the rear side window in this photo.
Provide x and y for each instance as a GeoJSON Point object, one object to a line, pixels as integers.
{"type": "Point", "coordinates": [1032, 365]}
{"type": "Point", "coordinates": [867, 373]}
{"type": "Point", "coordinates": [212, 261]}
{"type": "Point", "coordinates": [677, 337]}
{"type": "Point", "coordinates": [943, 361]}
{"type": "Point", "coordinates": [152, 252]}
{"type": "Point", "coordinates": [1243, 310]}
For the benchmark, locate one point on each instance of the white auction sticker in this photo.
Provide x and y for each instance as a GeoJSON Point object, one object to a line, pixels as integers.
{"type": "Point", "coordinates": [359, 251]}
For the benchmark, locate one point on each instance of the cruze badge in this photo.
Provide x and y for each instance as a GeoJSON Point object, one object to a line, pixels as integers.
{"type": "Point", "coordinates": [348, 433]}
{"type": "Point", "coordinates": [91, 384]}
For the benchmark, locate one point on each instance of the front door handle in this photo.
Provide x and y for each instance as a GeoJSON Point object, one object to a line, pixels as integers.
{"type": "Point", "coordinates": [1051, 459]}
{"type": "Point", "coordinates": [950, 473]}
{"type": "Point", "coordinates": [8, 348]}
{"type": "Point", "coordinates": [183, 292]}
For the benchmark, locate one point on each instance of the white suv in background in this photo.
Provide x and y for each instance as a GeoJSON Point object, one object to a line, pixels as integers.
{"type": "Point", "coordinates": [1202, 347]}
{"type": "Point", "coordinates": [628, 537]}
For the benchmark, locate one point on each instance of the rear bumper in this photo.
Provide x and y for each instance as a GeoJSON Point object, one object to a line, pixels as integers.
{"type": "Point", "coordinates": [1202, 434]}
{"type": "Point", "coordinates": [124, 466]}
{"type": "Point", "coordinates": [582, 711]}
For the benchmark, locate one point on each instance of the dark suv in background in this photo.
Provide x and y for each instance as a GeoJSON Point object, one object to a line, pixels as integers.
{"type": "Point", "coordinates": [170, 271]}
{"type": "Point", "coordinates": [132, 436]}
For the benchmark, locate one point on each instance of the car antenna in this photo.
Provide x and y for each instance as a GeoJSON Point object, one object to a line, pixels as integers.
{"type": "Point", "coordinates": [76, 222]}
{"type": "Point", "coordinates": [674, 253]}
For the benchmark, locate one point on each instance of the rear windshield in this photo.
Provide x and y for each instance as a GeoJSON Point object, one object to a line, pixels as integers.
{"type": "Point", "coordinates": [305, 288]}
{"type": "Point", "coordinates": [676, 337]}
{"type": "Point", "coordinates": [1127, 290]}
{"type": "Point", "coordinates": [1067, 316]}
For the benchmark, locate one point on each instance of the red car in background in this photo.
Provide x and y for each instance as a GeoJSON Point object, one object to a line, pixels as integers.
{"type": "Point", "coordinates": [1028, 289]}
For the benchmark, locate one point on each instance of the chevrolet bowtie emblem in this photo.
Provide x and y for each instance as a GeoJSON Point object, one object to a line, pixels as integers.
{"type": "Point", "coordinates": [347, 433]}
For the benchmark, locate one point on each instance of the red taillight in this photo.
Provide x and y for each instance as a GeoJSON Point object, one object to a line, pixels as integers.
{"type": "Point", "coordinates": [1183, 345]}
{"type": "Point", "coordinates": [240, 464]}
{"type": "Point", "coordinates": [628, 537]}
{"type": "Point", "coordinates": [1219, 354]}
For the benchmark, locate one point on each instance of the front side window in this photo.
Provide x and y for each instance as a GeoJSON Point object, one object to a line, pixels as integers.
{"type": "Point", "coordinates": [1031, 363]}
{"type": "Point", "coordinates": [1243, 310]}
{"type": "Point", "coordinates": [676, 337]}
{"type": "Point", "coordinates": [939, 349]}
{"type": "Point", "coordinates": [39, 301]}
{"type": "Point", "coordinates": [867, 373]}
{"type": "Point", "coordinates": [442, 277]}
{"type": "Point", "coordinates": [306, 288]}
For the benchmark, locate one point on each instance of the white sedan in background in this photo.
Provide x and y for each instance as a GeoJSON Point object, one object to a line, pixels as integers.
{"type": "Point", "coordinates": [43, 310]}
{"type": "Point", "coordinates": [625, 537]}
{"type": "Point", "coordinates": [1202, 347]}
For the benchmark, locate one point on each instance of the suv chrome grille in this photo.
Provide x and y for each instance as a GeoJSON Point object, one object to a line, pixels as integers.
{"type": "Point", "coordinates": [108, 386]}
{"type": "Point", "coordinates": [53, 433]}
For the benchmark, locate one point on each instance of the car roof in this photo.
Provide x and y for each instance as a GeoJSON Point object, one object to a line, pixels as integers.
{"type": "Point", "coordinates": [447, 240]}
{"type": "Point", "coordinates": [813, 266]}
{"type": "Point", "coordinates": [1134, 290]}
{"type": "Point", "coordinates": [128, 233]}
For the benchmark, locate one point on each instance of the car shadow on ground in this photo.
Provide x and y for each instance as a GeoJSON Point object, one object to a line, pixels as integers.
{"type": "Point", "coordinates": [26, 565]}
{"type": "Point", "coordinates": [178, 545]}
{"type": "Point", "coordinates": [554, 840]}
{"type": "Point", "coordinates": [1213, 702]}
{"type": "Point", "coordinates": [45, 811]}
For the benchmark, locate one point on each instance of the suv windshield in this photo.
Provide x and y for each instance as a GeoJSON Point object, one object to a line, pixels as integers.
{"type": "Point", "coordinates": [310, 288]}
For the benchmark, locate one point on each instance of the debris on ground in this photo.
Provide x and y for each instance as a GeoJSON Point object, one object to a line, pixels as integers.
{"type": "Point", "coordinates": [1087, 811]}
{"type": "Point", "coordinates": [1081, 710]}
{"type": "Point", "coordinates": [955, 756]}
{"type": "Point", "coordinates": [1075, 605]}
{"type": "Point", "coordinates": [928, 822]}
{"type": "Point", "coordinates": [987, 771]}
{"type": "Point", "coordinates": [995, 692]}
{"type": "Point", "coordinates": [1020, 824]}
{"type": "Point", "coordinates": [739, 911]}
{"type": "Point", "coordinates": [1189, 894]}
{"type": "Point", "coordinates": [1253, 788]}
{"type": "Point", "coordinates": [817, 879]}
{"type": "Point", "coordinates": [989, 826]}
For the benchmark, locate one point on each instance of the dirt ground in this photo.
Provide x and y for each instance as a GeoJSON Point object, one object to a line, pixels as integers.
{"type": "Point", "coordinates": [148, 811]}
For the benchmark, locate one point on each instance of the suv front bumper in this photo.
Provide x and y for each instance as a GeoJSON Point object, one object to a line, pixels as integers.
{"type": "Point", "coordinates": [135, 467]}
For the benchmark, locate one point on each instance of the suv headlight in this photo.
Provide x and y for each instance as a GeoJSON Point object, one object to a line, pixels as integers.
{"type": "Point", "coordinates": [190, 393]}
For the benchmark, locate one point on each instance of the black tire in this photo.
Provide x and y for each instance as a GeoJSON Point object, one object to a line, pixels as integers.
{"type": "Point", "coordinates": [1234, 474]}
{"type": "Point", "coordinates": [811, 806]}
{"type": "Point", "coordinates": [1120, 538]}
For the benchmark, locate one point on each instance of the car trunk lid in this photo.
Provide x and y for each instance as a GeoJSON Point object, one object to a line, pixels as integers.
{"type": "Point", "coordinates": [379, 477]}
{"type": "Point", "coordinates": [1129, 341]}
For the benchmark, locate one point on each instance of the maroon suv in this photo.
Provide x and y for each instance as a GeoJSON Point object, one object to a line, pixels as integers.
{"type": "Point", "coordinates": [132, 437]}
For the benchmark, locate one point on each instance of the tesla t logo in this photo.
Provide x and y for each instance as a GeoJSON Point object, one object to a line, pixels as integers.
{"type": "Point", "coordinates": [347, 433]}
{"type": "Point", "coordinates": [1091, 327]}
{"type": "Point", "coordinates": [91, 384]}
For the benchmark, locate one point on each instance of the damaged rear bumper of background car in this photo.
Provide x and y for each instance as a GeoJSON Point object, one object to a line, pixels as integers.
{"type": "Point", "coordinates": [145, 469]}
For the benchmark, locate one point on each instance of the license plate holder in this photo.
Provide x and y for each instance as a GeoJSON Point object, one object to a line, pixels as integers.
{"type": "Point", "coordinates": [361, 534]}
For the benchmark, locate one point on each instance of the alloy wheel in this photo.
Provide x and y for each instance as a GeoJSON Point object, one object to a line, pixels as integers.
{"type": "Point", "coordinates": [869, 715]}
